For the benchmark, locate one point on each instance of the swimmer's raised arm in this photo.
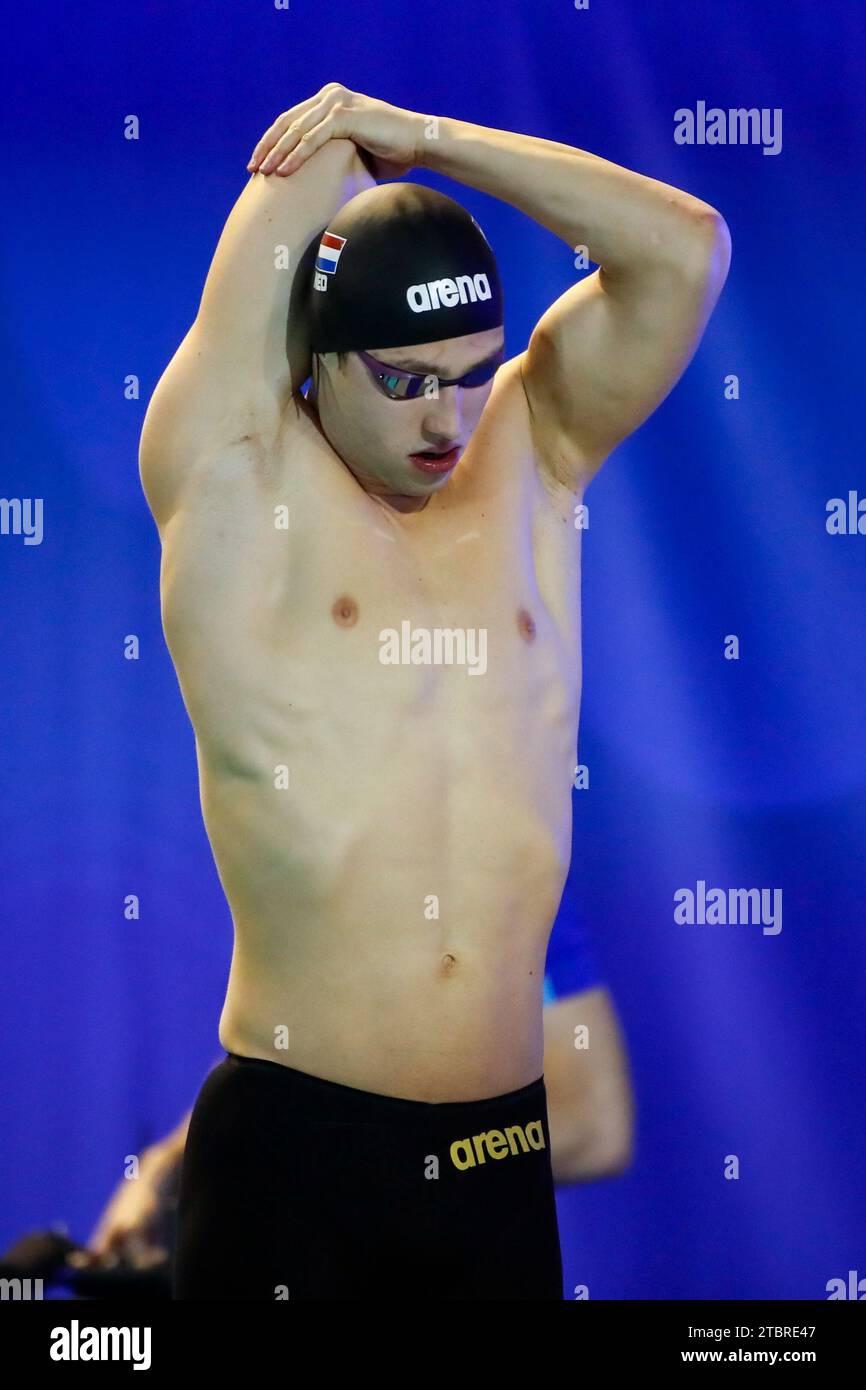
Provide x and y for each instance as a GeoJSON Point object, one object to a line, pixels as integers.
{"type": "Point", "coordinates": [610, 349]}
{"type": "Point", "coordinates": [246, 352]}
{"type": "Point", "coordinates": [613, 346]}
{"type": "Point", "coordinates": [248, 291]}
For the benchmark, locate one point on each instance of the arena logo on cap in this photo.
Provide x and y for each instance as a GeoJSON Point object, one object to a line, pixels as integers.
{"type": "Point", "coordinates": [446, 294]}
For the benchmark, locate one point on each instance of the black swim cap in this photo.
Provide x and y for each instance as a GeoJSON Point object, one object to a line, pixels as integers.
{"type": "Point", "coordinates": [401, 264]}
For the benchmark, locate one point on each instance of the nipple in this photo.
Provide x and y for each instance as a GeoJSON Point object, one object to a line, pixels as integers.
{"type": "Point", "coordinates": [345, 611]}
{"type": "Point", "coordinates": [526, 625]}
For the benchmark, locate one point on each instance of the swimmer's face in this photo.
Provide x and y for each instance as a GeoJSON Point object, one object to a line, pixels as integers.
{"type": "Point", "coordinates": [376, 436]}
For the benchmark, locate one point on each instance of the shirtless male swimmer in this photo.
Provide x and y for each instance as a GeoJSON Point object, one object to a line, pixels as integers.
{"type": "Point", "coordinates": [379, 652]}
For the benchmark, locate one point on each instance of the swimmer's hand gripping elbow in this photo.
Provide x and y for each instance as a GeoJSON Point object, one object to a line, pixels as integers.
{"type": "Point", "coordinates": [389, 139]}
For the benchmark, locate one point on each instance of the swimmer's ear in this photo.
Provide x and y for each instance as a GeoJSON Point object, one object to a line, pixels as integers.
{"type": "Point", "coordinates": [332, 361]}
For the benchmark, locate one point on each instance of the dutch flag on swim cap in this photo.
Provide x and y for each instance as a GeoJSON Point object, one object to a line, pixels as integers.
{"type": "Point", "coordinates": [329, 252]}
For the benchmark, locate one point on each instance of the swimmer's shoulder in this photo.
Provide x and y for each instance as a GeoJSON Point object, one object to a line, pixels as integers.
{"type": "Point", "coordinates": [515, 432]}
{"type": "Point", "coordinates": [506, 412]}
{"type": "Point", "coordinates": [206, 452]}
{"type": "Point", "coordinates": [507, 444]}
{"type": "Point", "coordinates": [202, 423]}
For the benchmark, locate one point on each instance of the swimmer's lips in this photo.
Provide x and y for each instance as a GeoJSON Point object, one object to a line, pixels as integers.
{"type": "Point", "coordinates": [432, 462]}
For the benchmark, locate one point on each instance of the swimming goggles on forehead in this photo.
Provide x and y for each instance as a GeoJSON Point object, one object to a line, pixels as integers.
{"type": "Point", "coordinates": [402, 386]}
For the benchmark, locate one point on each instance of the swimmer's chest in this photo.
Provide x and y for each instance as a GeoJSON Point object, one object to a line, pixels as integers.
{"type": "Point", "coordinates": [471, 607]}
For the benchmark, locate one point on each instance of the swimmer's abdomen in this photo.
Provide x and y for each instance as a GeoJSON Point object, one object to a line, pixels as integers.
{"type": "Point", "coordinates": [372, 803]}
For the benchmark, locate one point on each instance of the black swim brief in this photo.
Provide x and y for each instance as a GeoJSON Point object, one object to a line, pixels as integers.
{"type": "Point", "coordinates": [293, 1186]}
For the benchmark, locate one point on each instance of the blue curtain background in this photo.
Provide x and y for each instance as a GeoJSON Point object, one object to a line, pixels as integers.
{"type": "Point", "coordinates": [710, 521]}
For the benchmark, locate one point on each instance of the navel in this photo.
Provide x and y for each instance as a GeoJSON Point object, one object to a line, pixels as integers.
{"type": "Point", "coordinates": [526, 625]}
{"type": "Point", "coordinates": [448, 963]}
{"type": "Point", "coordinates": [344, 611]}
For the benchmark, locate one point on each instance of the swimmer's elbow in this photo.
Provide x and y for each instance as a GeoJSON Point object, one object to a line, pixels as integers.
{"type": "Point", "coordinates": [592, 1136]}
{"type": "Point", "coordinates": [606, 1153]}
